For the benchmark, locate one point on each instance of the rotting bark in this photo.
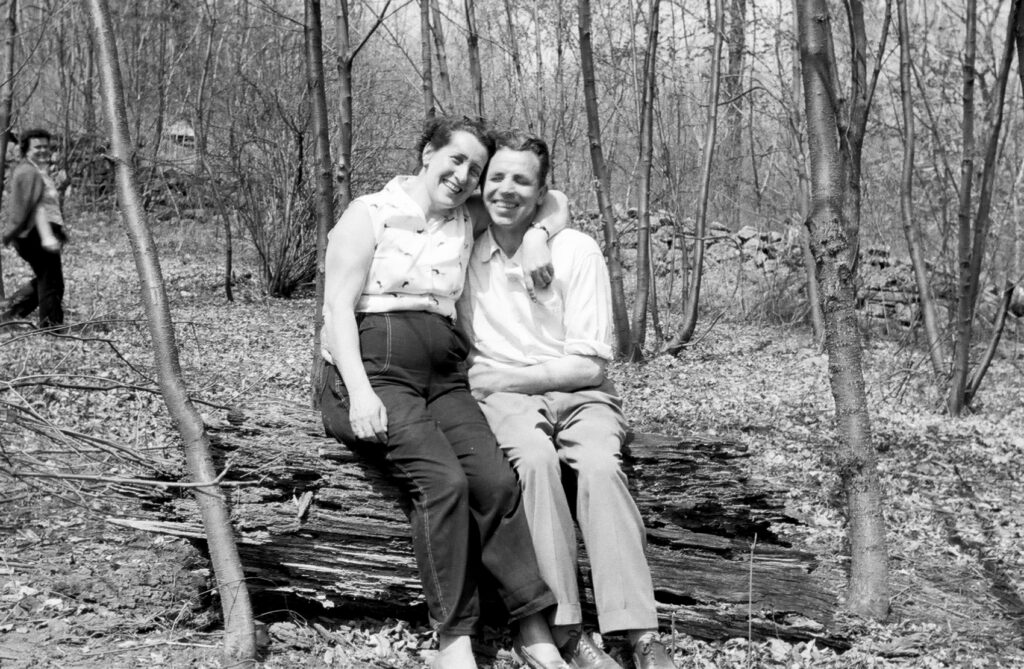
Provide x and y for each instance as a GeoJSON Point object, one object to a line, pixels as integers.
{"type": "Point", "coordinates": [239, 634]}
{"type": "Point", "coordinates": [602, 183]}
{"type": "Point", "coordinates": [855, 458]}
{"type": "Point", "coordinates": [319, 525]}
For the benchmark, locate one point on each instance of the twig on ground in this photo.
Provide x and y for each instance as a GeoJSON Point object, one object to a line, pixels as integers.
{"type": "Point", "coordinates": [139, 482]}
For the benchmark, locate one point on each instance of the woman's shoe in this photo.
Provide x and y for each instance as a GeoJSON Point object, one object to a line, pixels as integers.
{"type": "Point", "coordinates": [525, 659]}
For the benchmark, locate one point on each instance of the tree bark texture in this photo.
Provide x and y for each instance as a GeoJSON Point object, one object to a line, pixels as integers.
{"type": "Point", "coordinates": [473, 48]}
{"type": "Point", "coordinates": [911, 225]}
{"type": "Point", "coordinates": [964, 313]}
{"type": "Point", "coordinates": [441, 56]}
{"type": "Point", "coordinates": [346, 57]}
{"type": "Point", "coordinates": [344, 63]}
{"type": "Point", "coordinates": [239, 636]}
{"type": "Point", "coordinates": [855, 460]}
{"type": "Point", "coordinates": [853, 127]}
{"type": "Point", "coordinates": [603, 183]}
{"type": "Point", "coordinates": [6, 101]}
{"type": "Point", "coordinates": [733, 85]}
{"type": "Point", "coordinates": [427, 73]}
{"type": "Point", "coordinates": [638, 328]}
{"type": "Point", "coordinates": [692, 308]}
{"type": "Point", "coordinates": [325, 178]}
{"type": "Point", "coordinates": [318, 524]}
{"type": "Point", "coordinates": [804, 188]}
{"type": "Point", "coordinates": [973, 236]}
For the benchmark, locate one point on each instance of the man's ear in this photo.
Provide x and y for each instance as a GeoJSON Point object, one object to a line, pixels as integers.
{"type": "Point", "coordinates": [543, 195]}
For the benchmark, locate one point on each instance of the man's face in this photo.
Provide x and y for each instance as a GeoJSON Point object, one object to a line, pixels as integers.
{"type": "Point", "coordinates": [512, 188]}
{"type": "Point", "coordinates": [38, 150]}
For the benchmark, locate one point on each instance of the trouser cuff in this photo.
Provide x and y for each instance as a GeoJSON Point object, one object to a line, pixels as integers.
{"type": "Point", "coordinates": [627, 619]}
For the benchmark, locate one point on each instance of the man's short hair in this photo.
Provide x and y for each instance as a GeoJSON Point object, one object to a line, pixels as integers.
{"type": "Point", "coordinates": [517, 140]}
{"type": "Point", "coordinates": [33, 133]}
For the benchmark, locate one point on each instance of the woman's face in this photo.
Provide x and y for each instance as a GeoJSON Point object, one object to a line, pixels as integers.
{"type": "Point", "coordinates": [452, 172]}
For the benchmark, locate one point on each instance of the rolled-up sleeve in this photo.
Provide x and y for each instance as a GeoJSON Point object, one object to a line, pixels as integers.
{"type": "Point", "coordinates": [588, 322]}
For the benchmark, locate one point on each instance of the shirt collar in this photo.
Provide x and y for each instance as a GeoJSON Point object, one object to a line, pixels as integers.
{"type": "Point", "coordinates": [486, 246]}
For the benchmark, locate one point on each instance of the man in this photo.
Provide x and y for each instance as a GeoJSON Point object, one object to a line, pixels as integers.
{"type": "Point", "coordinates": [538, 370]}
{"type": "Point", "coordinates": [36, 228]}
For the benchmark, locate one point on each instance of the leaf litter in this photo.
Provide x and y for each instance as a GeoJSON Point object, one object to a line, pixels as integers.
{"type": "Point", "coordinates": [75, 591]}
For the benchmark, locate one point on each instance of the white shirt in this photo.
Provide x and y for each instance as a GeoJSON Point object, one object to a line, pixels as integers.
{"type": "Point", "coordinates": [570, 316]}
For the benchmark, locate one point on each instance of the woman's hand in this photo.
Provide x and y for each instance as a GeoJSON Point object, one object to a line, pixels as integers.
{"type": "Point", "coordinates": [537, 268]}
{"type": "Point", "coordinates": [368, 417]}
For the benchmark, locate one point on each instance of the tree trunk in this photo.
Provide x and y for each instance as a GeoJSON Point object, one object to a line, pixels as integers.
{"type": "Point", "coordinates": [6, 103]}
{"type": "Point", "coordinates": [325, 182]}
{"type": "Point", "coordinates": [427, 75]}
{"type": "Point", "coordinates": [441, 56]}
{"type": "Point", "coordinates": [911, 226]}
{"type": "Point", "coordinates": [603, 183]}
{"type": "Point", "coordinates": [733, 111]}
{"type": "Point", "coordinates": [993, 344]}
{"type": "Point", "coordinates": [853, 127]}
{"type": "Point", "coordinates": [638, 328]}
{"type": "Point", "coordinates": [692, 308]}
{"type": "Point", "coordinates": [239, 635]}
{"type": "Point", "coordinates": [517, 65]}
{"type": "Point", "coordinates": [346, 57]}
{"type": "Point", "coordinates": [804, 191]}
{"type": "Point", "coordinates": [321, 526]}
{"type": "Point", "coordinates": [972, 239]}
{"type": "Point", "coordinates": [344, 165]}
{"type": "Point", "coordinates": [855, 460]}
{"type": "Point", "coordinates": [473, 46]}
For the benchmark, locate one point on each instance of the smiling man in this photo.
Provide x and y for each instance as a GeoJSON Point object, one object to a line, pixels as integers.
{"type": "Point", "coordinates": [538, 371]}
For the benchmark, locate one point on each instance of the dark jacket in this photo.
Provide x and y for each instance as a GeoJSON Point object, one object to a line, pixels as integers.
{"type": "Point", "coordinates": [27, 189]}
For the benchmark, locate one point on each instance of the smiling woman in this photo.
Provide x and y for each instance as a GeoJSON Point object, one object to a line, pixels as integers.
{"type": "Point", "coordinates": [395, 390]}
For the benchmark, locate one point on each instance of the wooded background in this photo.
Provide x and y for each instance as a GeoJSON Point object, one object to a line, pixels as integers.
{"type": "Point", "coordinates": [733, 164]}
{"type": "Point", "coordinates": [230, 76]}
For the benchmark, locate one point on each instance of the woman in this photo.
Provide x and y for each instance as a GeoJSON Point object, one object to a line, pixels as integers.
{"type": "Point", "coordinates": [394, 389]}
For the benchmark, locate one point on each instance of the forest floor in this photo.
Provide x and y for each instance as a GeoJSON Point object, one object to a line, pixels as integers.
{"type": "Point", "coordinates": [78, 591]}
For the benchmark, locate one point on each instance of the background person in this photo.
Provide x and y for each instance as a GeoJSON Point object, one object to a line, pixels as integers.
{"type": "Point", "coordinates": [538, 369]}
{"type": "Point", "coordinates": [396, 392]}
{"type": "Point", "coordinates": [35, 226]}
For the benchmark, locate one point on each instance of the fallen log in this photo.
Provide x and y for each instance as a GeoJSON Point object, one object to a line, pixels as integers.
{"type": "Point", "coordinates": [312, 522]}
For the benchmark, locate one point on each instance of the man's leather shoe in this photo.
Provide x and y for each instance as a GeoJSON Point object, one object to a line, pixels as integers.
{"type": "Point", "coordinates": [583, 653]}
{"type": "Point", "coordinates": [649, 653]}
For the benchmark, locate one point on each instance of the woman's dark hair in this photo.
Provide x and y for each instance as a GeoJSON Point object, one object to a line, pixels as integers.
{"type": "Point", "coordinates": [34, 133]}
{"type": "Point", "coordinates": [517, 140]}
{"type": "Point", "coordinates": [437, 132]}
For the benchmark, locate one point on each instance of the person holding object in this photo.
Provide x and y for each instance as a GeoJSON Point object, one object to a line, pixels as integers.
{"type": "Point", "coordinates": [395, 388]}
{"type": "Point", "coordinates": [35, 226]}
{"type": "Point", "coordinates": [538, 370]}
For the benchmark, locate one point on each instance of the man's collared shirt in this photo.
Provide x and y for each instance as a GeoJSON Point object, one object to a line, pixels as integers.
{"type": "Point", "coordinates": [571, 316]}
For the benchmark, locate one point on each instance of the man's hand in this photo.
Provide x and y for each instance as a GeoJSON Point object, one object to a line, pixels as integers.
{"type": "Point", "coordinates": [537, 268]}
{"type": "Point", "coordinates": [484, 381]}
{"type": "Point", "coordinates": [51, 244]}
{"type": "Point", "coordinates": [368, 417]}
